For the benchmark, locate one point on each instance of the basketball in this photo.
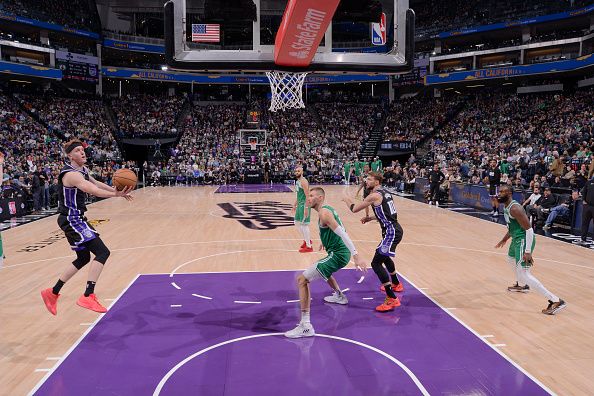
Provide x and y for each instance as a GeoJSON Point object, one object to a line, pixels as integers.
{"type": "Point", "coordinates": [124, 178]}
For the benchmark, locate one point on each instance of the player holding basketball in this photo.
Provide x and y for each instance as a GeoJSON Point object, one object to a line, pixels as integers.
{"type": "Point", "coordinates": [74, 182]}
{"type": "Point", "coordinates": [385, 212]}
{"type": "Point", "coordinates": [339, 247]}
{"type": "Point", "coordinates": [522, 246]}
{"type": "Point", "coordinates": [302, 211]}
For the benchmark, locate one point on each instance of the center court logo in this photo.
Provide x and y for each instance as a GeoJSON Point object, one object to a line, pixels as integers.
{"type": "Point", "coordinates": [265, 215]}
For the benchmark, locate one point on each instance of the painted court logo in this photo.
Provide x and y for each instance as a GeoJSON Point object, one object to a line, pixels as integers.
{"type": "Point", "coordinates": [266, 215]}
{"type": "Point", "coordinates": [57, 236]}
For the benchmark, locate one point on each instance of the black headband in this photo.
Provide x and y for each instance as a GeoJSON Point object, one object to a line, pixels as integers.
{"type": "Point", "coordinates": [72, 146]}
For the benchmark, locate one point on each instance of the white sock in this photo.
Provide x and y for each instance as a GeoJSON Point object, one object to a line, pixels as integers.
{"type": "Point", "coordinates": [534, 283]}
{"type": "Point", "coordinates": [306, 235]}
{"type": "Point", "coordinates": [511, 261]}
{"type": "Point", "coordinates": [300, 228]}
{"type": "Point", "coordinates": [305, 317]}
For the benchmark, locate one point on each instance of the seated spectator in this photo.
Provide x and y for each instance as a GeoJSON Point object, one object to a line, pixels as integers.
{"type": "Point", "coordinates": [547, 202]}
{"type": "Point", "coordinates": [564, 209]}
{"type": "Point", "coordinates": [532, 202]}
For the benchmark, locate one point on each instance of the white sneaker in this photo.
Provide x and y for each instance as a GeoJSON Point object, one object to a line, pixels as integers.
{"type": "Point", "coordinates": [336, 298]}
{"type": "Point", "coordinates": [302, 330]}
{"type": "Point", "coordinates": [437, 204]}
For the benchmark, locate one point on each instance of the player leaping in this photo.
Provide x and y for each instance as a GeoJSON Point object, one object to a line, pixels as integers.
{"type": "Point", "coordinates": [74, 183]}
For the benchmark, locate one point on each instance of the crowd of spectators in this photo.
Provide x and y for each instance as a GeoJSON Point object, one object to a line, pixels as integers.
{"type": "Point", "coordinates": [33, 151]}
{"type": "Point", "coordinates": [540, 140]}
{"type": "Point", "coordinates": [208, 150]}
{"type": "Point", "coordinates": [77, 14]}
{"type": "Point", "coordinates": [414, 119]}
{"type": "Point", "coordinates": [544, 139]}
{"type": "Point", "coordinates": [81, 118]}
{"type": "Point", "coordinates": [321, 139]}
{"type": "Point", "coordinates": [435, 16]}
{"type": "Point", "coordinates": [147, 115]}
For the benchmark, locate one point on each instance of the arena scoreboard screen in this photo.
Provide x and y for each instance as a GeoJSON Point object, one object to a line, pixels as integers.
{"type": "Point", "coordinates": [253, 117]}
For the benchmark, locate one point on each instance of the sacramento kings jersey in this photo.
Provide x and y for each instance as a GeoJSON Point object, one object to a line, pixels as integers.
{"type": "Point", "coordinates": [71, 199]}
{"type": "Point", "coordinates": [386, 211]}
{"type": "Point", "coordinates": [494, 176]}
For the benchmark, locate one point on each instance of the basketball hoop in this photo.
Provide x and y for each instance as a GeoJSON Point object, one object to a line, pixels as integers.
{"type": "Point", "coordinates": [287, 90]}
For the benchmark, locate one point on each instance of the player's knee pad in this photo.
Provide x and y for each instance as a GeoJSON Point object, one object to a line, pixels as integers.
{"type": "Point", "coordinates": [82, 258]}
{"type": "Point", "coordinates": [99, 249]}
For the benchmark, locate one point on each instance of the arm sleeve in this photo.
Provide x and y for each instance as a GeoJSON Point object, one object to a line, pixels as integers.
{"type": "Point", "coordinates": [346, 239]}
{"type": "Point", "coordinates": [529, 240]}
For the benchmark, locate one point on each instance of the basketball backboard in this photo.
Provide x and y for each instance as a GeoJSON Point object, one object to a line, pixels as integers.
{"type": "Point", "coordinates": [280, 39]}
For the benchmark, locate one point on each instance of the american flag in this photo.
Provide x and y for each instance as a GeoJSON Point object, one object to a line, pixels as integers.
{"type": "Point", "coordinates": [206, 32]}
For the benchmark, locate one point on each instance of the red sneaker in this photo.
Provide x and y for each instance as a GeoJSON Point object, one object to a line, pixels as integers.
{"type": "Point", "coordinates": [51, 300]}
{"type": "Point", "coordinates": [388, 305]}
{"type": "Point", "coordinates": [303, 245]}
{"type": "Point", "coordinates": [91, 303]}
{"type": "Point", "coordinates": [395, 287]}
{"type": "Point", "coordinates": [306, 249]}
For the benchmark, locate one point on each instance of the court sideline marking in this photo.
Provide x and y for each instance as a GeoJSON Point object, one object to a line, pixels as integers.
{"type": "Point", "coordinates": [73, 347]}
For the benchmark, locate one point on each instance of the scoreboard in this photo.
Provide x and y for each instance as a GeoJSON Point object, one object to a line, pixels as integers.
{"type": "Point", "coordinates": [78, 66]}
{"type": "Point", "coordinates": [403, 146]}
{"type": "Point", "coordinates": [253, 117]}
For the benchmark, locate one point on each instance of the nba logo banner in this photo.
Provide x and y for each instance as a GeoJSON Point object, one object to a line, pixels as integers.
{"type": "Point", "coordinates": [378, 31]}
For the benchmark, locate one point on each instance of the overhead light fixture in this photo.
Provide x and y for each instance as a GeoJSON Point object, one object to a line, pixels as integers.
{"type": "Point", "coordinates": [21, 81]}
{"type": "Point", "coordinates": [458, 92]}
{"type": "Point", "coordinates": [507, 84]}
{"type": "Point", "coordinates": [474, 86]}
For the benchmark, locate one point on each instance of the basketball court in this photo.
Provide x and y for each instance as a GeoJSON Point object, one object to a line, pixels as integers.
{"type": "Point", "coordinates": [202, 286]}
{"type": "Point", "coordinates": [201, 280]}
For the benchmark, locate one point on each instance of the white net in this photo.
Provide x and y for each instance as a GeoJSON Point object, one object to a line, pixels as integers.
{"type": "Point", "coordinates": [287, 90]}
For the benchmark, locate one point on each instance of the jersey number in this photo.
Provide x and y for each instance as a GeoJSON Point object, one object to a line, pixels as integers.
{"type": "Point", "coordinates": [392, 207]}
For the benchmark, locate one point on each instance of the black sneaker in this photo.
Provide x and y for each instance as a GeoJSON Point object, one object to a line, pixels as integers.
{"type": "Point", "coordinates": [554, 307]}
{"type": "Point", "coordinates": [519, 289]}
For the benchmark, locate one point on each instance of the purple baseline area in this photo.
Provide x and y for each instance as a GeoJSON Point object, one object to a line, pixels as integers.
{"type": "Point", "coordinates": [252, 188]}
{"type": "Point", "coordinates": [142, 338]}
